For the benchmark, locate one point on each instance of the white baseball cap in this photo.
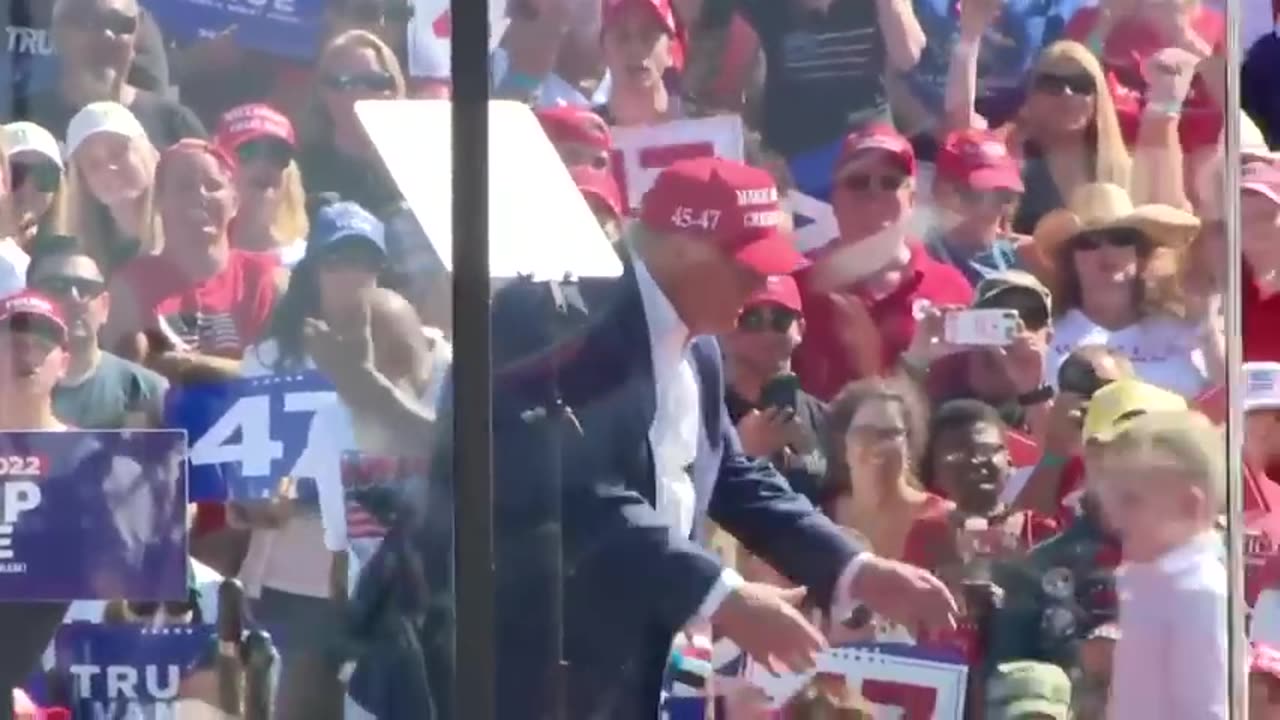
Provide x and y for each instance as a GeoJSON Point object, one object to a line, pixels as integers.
{"type": "Point", "coordinates": [99, 117]}
{"type": "Point", "coordinates": [29, 137]}
{"type": "Point", "coordinates": [1261, 386]}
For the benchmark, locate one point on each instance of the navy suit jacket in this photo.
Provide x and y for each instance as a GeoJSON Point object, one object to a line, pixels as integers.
{"type": "Point", "coordinates": [630, 583]}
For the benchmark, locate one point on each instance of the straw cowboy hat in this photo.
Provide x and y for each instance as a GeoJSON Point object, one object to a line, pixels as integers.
{"type": "Point", "coordinates": [1103, 206]}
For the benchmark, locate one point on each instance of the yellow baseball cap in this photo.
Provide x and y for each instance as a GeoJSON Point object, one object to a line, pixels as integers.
{"type": "Point", "coordinates": [1118, 402]}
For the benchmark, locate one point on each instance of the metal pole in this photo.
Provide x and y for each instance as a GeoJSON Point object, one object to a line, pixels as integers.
{"type": "Point", "coordinates": [475, 645]}
{"type": "Point", "coordinates": [1237, 673]}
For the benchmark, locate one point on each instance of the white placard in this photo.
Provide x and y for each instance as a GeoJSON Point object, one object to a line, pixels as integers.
{"type": "Point", "coordinates": [430, 30]}
{"type": "Point", "coordinates": [539, 223]}
{"type": "Point", "coordinates": [643, 151]}
{"type": "Point", "coordinates": [896, 680]}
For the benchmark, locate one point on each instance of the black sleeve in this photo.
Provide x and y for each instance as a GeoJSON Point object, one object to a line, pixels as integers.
{"type": "Point", "coordinates": [150, 69]}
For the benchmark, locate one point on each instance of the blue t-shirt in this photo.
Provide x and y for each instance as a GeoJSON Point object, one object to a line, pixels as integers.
{"type": "Point", "coordinates": [1001, 256]}
{"type": "Point", "coordinates": [1009, 49]}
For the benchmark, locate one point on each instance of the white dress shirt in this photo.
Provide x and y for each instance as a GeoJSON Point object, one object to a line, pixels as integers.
{"type": "Point", "coordinates": [674, 437]}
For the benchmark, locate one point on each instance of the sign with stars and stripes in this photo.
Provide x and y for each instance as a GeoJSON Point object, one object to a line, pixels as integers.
{"type": "Point", "coordinates": [246, 434]}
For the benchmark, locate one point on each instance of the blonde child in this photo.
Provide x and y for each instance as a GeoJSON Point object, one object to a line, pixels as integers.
{"type": "Point", "coordinates": [1161, 478]}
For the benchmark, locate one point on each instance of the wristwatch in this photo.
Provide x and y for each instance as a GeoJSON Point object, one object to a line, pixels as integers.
{"type": "Point", "coordinates": [1042, 394]}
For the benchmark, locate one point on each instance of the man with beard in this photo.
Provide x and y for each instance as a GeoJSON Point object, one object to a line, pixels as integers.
{"type": "Point", "coordinates": [100, 390]}
{"type": "Point", "coordinates": [96, 44]}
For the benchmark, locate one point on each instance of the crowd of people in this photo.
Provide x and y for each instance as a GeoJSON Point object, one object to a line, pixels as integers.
{"type": "Point", "coordinates": [995, 393]}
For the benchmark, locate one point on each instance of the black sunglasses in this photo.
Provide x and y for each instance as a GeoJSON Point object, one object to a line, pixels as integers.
{"type": "Point", "coordinates": [45, 175]}
{"type": "Point", "coordinates": [373, 81]}
{"type": "Point", "coordinates": [865, 183]}
{"type": "Point", "coordinates": [999, 198]}
{"type": "Point", "coordinates": [764, 317]}
{"type": "Point", "coordinates": [65, 286]}
{"type": "Point", "coordinates": [1052, 84]}
{"type": "Point", "coordinates": [113, 21]}
{"type": "Point", "coordinates": [172, 608]}
{"type": "Point", "coordinates": [1116, 238]}
{"type": "Point", "coordinates": [274, 152]}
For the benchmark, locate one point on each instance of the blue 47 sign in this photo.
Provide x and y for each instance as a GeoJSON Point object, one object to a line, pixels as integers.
{"type": "Point", "coordinates": [246, 434]}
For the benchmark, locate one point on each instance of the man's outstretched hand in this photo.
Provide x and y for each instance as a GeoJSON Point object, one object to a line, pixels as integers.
{"type": "Point", "coordinates": [764, 622]}
{"type": "Point", "coordinates": [904, 594]}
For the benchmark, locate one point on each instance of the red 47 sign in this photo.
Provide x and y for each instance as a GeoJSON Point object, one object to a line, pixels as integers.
{"type": "Point", "coordinates": [641, 153]}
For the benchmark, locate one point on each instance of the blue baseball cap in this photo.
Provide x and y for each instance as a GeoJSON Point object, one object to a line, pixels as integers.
{"type": "Point", "coordinates": [343, 221]}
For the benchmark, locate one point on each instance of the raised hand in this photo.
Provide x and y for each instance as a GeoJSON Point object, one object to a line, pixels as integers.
{"type": "Point", "coordinates": [764, 621]}
{"type": "Point", "coordinates": [976, 16]}
{"type": "Point", "coordinates": [1169, 73]}
{"type": "Point", "coordinates": [905, 594]}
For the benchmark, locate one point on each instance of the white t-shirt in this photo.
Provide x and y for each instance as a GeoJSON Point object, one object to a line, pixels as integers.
{"type": "Point", "coordinates": [1165, 351]}
{"type": "Point", "coordinates": [13, 267]}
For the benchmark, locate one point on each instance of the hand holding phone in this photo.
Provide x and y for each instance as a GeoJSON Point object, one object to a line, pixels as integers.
{"type": "Point", "coordinates": [782, 392]}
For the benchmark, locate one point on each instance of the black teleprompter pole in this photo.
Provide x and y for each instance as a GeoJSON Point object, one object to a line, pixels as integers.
{"type": "Point", "coordinates": [475, 645]}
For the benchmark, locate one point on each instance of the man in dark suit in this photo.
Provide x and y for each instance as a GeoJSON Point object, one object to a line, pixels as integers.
{"type": "Point", "coordinates": [612, 447]}
{"type": "Point", "coordinates": [652, 454]}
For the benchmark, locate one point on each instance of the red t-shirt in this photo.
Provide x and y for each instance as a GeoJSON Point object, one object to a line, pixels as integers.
{"type": "Point", "coordinates": [1133, 40]}
{"type": "Point", "coordinates": [1260, 321]}
{"type": "Point", "coordinates": [220, 316]}
{"type": "Point", "coordinates": [820, 359]}
{"type": "Point", "coordinates": [1261, 530]}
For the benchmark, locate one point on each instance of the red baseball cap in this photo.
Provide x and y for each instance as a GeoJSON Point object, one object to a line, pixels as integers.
{"type": "Point", "coordinates": [731, 204]}
{"type": "Point", "coordinates": [778, 290]}
{"type": "Point", "coordinates": [571, 124]}
{"type": "Point", "coordinates": [31, 310]}
{"type": "Point", "coordinates": [254, 121]}
{"type": "Point", "coordinates": [978, 159]}
{"type": "Point", "coordinates": [876, 137]}
{"type": "Point", "coordinates": [665, 14]}
{"type": "Point", "coordinates": [599, 185]}
{"type": "Point", "coordinates": [1263, 178]}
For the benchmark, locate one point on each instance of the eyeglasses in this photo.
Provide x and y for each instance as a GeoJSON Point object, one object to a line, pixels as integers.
{"type": "Point", "coordinates": [1051, 84]}
{"type": "Point", "coordinates": [45, 176]}
{"type": "Point", "coordinates": [865, 183]}
{"type": "Point", "coordinates": [113, 21]}
{"type": "Point", "coordinates": [378, 13]}
{"type": "Point", "coordinates": [276, 153]}
{"type": "Point", "coordinates": [763, 317]}
{"type": "Point", "coordinates": [372, 81]}
{"type": "Point", "coordinates": [1116, 238]}
{"type": "Point", "coordinates": [65, 286]}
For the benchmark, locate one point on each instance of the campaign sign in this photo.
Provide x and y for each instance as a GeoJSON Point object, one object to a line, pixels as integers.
{"type": "Point", "coordinates": [93, 515]}
{"type": "Point", "coordinates": [129, 671]}
{"type": "Point", "coordinates": [287, 28]}
{"type": "Point", "coordinates": [643, 151]}
{"type": "Point", "coordinates": [890, 679]}
{"type": "Point", "coordinates": [246, 434]}
{"type": "Point", "coordinates": [431, 30]}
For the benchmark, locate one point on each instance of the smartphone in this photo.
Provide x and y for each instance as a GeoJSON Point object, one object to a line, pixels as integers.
{"type": "Point", "coordinates": [781, 391]}
{"type": "Point", "coordinates": [983, 327]}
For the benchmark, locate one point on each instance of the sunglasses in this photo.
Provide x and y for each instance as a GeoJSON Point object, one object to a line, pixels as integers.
{"type": "Point", "coordinates": [45, 176]}
{"type": "Point", "coordinates": [276, 153]}
{"type": "Point", "coordinates": [376, 13]}
{"type": "Point", "coordinates": [988, 198]}
{"type": "Point", "coordinates": [372, 81]}
{"type": "Point", "coordinates": [1051, 84]}
{"type": "Point", "coordinates": [351, 252]}
{"type": "Point", "coordinates": [1117, 238]}
{"type": "Point", "coordinates": [866, 183]}
{"type": "Point", "coordinates": [65, 286]}
{"type": "Point", "coordinates": [113, 21]}
{"type": "Point", "coordinates": [172, 609]}
{"type": "Point", "coordinates": [763, 317]}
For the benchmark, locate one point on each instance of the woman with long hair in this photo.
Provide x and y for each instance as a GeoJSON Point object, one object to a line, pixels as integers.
{"type": "Point", "coordinates": [1115, 273]}
{"type": "Point", "coordinates": [337, 155]}
{"type": "Point", "coordinates": [111, 185]}
{"type": "Point", "coordinates": [1066, 132]}
{"type": "Point", "coordinates": [272, 217]}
